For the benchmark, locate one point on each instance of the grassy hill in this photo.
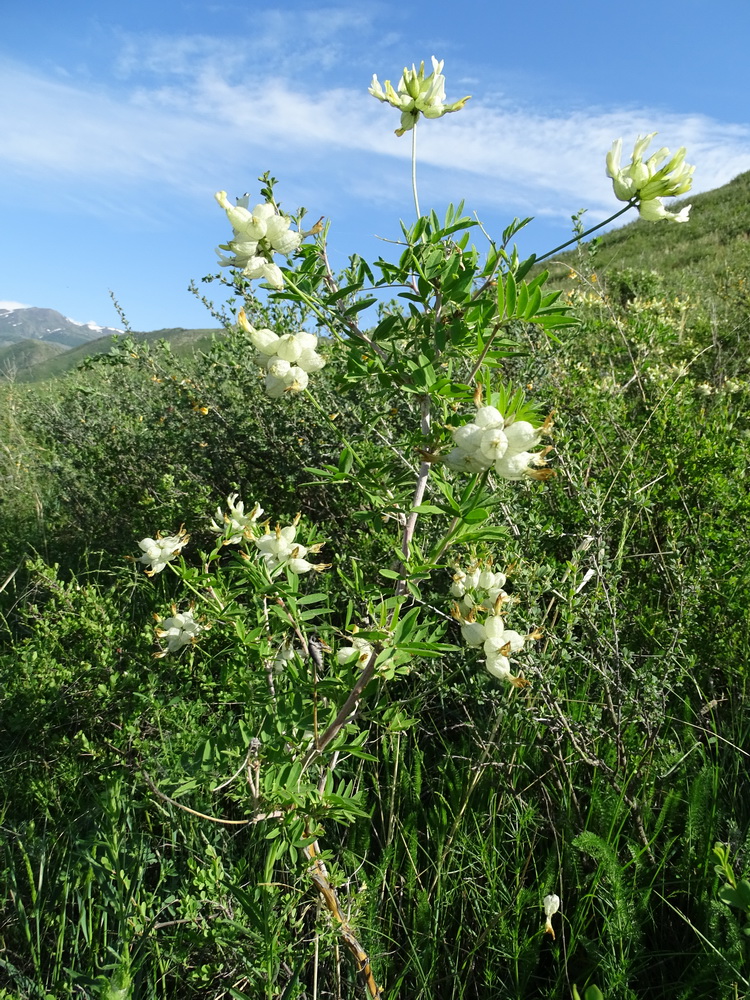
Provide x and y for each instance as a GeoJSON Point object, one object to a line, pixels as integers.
{"type": "Point", "coordinates": [27, 354]}
{"type": "Point", "coordinates": [39, 368]}
{"type": "Point", "coordinates": [710, 248]}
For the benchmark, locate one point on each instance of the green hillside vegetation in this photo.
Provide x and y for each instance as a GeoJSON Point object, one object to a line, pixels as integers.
{"type": "Point", "coordinates": [710, 255]}
{"type": "Point", "coordinates": [182, 341]}
{"type": "Point", "coordinates": [14, 358]}
{"type": "Point", "coordinates": [616, 779]}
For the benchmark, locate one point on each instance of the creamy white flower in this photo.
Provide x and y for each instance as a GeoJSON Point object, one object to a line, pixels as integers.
{"type": "Point", "coordinates": [494, 629]}
{"type": "Point", "coordinates": [653, 211]}
{"type": "Point", "coordinates": [360, 648]}
{"type": "Point", "coordinates": [278, 368]}
{"type": "Point", "coordinates": [514, 466]}
{"type": "Point", "coordinates": [244, 222]}
{"type": "Point", "coordinates": [479, 587]}
{"type": "Point", "coordinates": [498, 642]}
{"type": "Point", "coordinates": [489, 416]}
{"type": "Point", "coordinates": [647, 181]}
{"type": "Point", "coordinates": [310, 361]}
{"type": "Point", "coordinates": [258, 233]}
{"type": "Point", "coordinates": [487, 579]}
{"type": "Point", "coordinates": [179, 630]}
{"type": "Point", "coordinates": [551, 905]}
{"type": "Point", "coordinates": [242, 252]}
{"type": "Point", "coordinates": [523, 464]}
{"type": "Point", "coordinates": [236, 524]}
{"type": "Point", "coordinates": [464, 461]}
{"type": "Point", "coordinates": [416, 95]}
{"type": "Point", "coordinates": [275, 387]}
{"type": "Point", "coordinates": [264, 270]}
{"type": "Point", "coordinates": [264, 341]}
{"type": "Point", "coordinates": [288, 360]}
{"type": "Point", "coordinates": [473, 633]}
{"type": "Point", "coordinates": [284, 654]}
{"type": "Point", "coordinates": [294, 379]}
{"type": "Point", "coordinates": [159, 551]}
{"type": "Point", "coordinates": [522, 436]}
{"type": "Point", "coordinates": [468, 437]}
{"type": "Point", "coordinates": [499, 666]}
{"type": "Point", "coordinates": [280, 546]}
{"type": "Point", "coordinates": [281, 238]}
{"type": "Point", "coordinates": [491, 442]}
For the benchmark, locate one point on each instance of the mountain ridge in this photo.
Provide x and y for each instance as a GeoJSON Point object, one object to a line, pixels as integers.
{"type": "Point", "coordinates": [47, 325]}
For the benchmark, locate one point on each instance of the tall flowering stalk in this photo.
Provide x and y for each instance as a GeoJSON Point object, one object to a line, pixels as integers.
{"type": "Point", "coordinates": [416, 95]}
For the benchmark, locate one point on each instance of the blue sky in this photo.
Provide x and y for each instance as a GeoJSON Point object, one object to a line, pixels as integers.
{"type": "Point", "coordinates": [119, 121]}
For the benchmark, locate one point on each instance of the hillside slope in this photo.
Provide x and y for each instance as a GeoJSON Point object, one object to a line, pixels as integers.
{"type": "Point", "coordinates": [714, 242]}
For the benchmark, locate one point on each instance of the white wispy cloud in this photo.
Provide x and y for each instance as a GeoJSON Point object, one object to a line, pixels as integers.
{"type": "Point", "coordinates": [9, 306]}
{"type": "Point", "coordinates": [186, 113]}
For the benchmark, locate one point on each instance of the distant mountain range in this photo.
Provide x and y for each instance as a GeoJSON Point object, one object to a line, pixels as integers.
{"type": "Point", "coordinates": [48, 326]}
{"type": "Point", "coordinates": [37, 344]}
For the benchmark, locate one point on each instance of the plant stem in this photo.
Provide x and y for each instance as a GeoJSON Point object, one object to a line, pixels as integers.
{"type": "Point", "coordinates": [577, 239]}
{"type": "Point", "coordinates": [422, 477]}
{"type": "Point", "coordinates": [414, 169]}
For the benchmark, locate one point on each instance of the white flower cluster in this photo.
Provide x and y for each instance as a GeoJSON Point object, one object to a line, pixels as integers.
{"type": "Point", "coordinates": [649, 181]}
{"type": "Point", "coordinates": [466, 587]}
{"type": "Point", "coordinates": [236, 524]}
{"type": "Point", "coordinates": [492, 442]}
{"type": "Point", "coordinates": [288, 360]}
{"type": "Point", "coordinates": [479, 592]}
{"type": "Point", "coordinates": [499, 644]}
{"type": "Point", "coordinates": [359, 652]}
{"type": "Point", "coordinates": [258, 234]}
{"type": "Point", "coordinates": [157, 552]}
{"type": "Point", "coordinates": [415, 95]}
{"type": "Point", "coordinates": [179, 630]}
{"type": "Point", "coordinates": [277, 546]}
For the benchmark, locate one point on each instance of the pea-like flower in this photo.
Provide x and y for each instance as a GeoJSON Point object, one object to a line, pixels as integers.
{"type": "Point", "coordinates": [288, 360]}
{"type": "Point", "coordinates": [179, 630]}
{"type": "Point", "coordinates": [159, 551]}
{"type": "Point", "coordinates": [235, 524]}
{"type": "Point", "coordinates": [284, 654]}
{"type": "Point", "coordinates": [359, 652]}
{"type": "Point", "coordinates": [492, 442]}
{"type": "Point", "coordinates": [258, 233]}
{"type": "Point", "coordinates": [280, 546]}
{"type": "Point", "coordinates": [264, 270]}
{"type": "Point", "coordinates": [416, 95]}
{"type": "Point", "coordinates": [478, 587]}
{"type": "Point", "coordinates": [498, 643]}
{"type": "Point", "coordinates": [488, 630]}
{"type": "Point", "coordinates": [551, 905]}
{"type": "Point", "coordinates": [650, 180]}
